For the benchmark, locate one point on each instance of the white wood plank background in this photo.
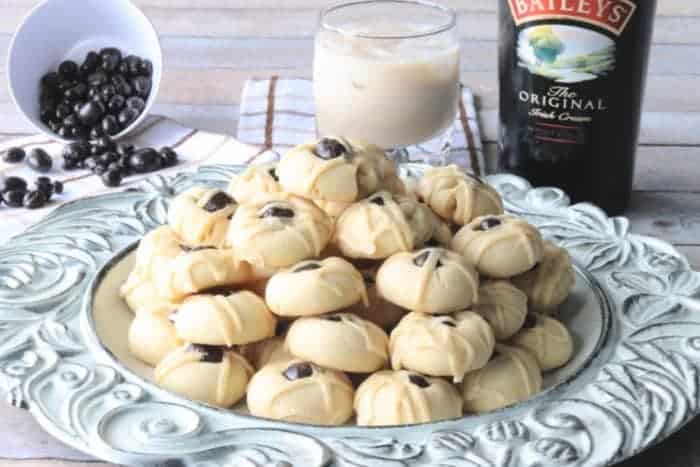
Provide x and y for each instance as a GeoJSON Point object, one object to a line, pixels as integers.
{"type": "Point", "coordinates": [212, 46]}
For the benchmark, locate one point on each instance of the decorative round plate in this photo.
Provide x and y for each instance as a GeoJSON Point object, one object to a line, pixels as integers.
{"type": "Point", "coordinates": [634, 380]}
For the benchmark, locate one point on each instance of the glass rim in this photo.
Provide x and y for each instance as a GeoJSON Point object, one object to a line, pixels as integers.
{"type": "Point", "coordinates": [450, 24]}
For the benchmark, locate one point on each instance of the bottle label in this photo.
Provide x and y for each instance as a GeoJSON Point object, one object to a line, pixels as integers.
{"type": "Point", "coordinates": [611, 15]}
{"type": "Point", "coordinates": [569, 47]}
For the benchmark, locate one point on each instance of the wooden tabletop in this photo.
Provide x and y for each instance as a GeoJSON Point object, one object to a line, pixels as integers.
{"type": "Point", "coordinates": [212, 46]}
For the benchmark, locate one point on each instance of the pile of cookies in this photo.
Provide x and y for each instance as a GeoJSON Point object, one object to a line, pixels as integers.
{"type": "Point", "coordinates": [324, 287]}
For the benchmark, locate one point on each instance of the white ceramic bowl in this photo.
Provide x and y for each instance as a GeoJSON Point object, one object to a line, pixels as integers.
{"type": "Point", "coordinates": [58, 30]}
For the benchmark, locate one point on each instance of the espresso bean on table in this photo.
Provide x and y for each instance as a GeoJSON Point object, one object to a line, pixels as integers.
{"type": "Point", "coordinates": [105, 143]}
{"type": "Point", "coordinates": [14, 155]}
{"type": "Point", "coordinates": [168, 156]}
{"type": "Point", "coordinates": [112, 178]}
{"type": "Point", "coordinates": [125, 149]}
{"type": "Point", "coordinates": [58, 187]}
{"type": "Point", "coordinates": [145, 160]}
{"type": "Point", "coordinates": [34, 199]}
{"type": "Point", "coordinates": [12, 183]}
{"type": "Point", "coordinates": [39, 160]}
{"type": "Point", "coordinates": [14, 198]}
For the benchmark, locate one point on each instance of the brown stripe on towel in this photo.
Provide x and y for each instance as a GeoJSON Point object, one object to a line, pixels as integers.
{"type": "Point", "coordinates": [464, 119]}
{"type": "Point", "coordinates": [270, 111]}
{"type": "Point", "coordinates": [267, 112]}
{"type": "Point", "coordinates": [279, 95]}
{"type": "Point", "coordinates": [281, 128]}
{"type": "Point", "coordinates": [184, 139]}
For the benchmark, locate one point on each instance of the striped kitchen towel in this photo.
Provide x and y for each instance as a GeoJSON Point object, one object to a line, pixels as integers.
{"type": "Point", "coordinates": [278, 113]}
{"type": "Point", "coordinates": [194, 148]}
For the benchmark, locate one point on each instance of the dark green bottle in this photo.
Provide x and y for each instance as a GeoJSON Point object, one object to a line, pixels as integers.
{"type": "Point", "coordinates": [572, 78]}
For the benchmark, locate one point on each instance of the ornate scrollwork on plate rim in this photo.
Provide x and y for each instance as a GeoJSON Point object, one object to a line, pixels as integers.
{"type": "Point", "coordinates": [646, 387]}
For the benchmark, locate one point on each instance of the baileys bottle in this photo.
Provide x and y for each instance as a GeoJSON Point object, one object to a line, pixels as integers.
{"type": "Point", "coordinates": [572, 77]}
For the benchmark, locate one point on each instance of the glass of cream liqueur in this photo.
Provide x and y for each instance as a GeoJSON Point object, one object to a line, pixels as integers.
{"type": "Point", "coordinates": [386, 72]}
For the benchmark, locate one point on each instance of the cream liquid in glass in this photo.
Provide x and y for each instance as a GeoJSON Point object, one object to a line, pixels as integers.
{"type": "Point", "coordinates": [392, 91]}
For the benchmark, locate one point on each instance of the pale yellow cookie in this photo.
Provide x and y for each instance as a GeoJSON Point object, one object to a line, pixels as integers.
{"type": "Point", "coordinates": [315, 287]}
{"type": "Point", "coordinates": [278, 231]}
{"type": "Point", "coordinates": [139, 292]}
{"type": "Point", "coordinates": [500, 246]}
{"type": "Point", "coordinates": [433, 280]}
{"type": "Point", "coordinates": [301, 392]}
{"type": "Point", "coordinates": [157, 246]}
{"type": "Point", "coordinates": [152, 334]}
{"type": "Point", "coordinates": [510, 377]}
{"type": "Point", "coordinates": [549, 284]}
{"type": "Point", "coordinates": [201, 216]}
{"type": "Point", "coordinates": [547, 339]}
{"type": "Point", "coordinates": [170, 270]}
{"type": "Point", "coordinates": [457, 196]}
{"type": "Point", "coordinates": [214, 375]}
{"type": "Point", "coordinates": [335, 169]}
{"type": "Point", "coordinates": [339, 341]}
{"type": "Point", "coordinates": [227, 320]}
{"type": "Point", "coordinates": [390, 398]}
{"type": "Point", "coordinates": [256, 179]}
{"type": "Point", "coordinates": [504, 306]}
{"type": "Point", "coordinates": [445, 345]}
{"type": "Point", "coordinates": [195, 270]}
{"type": "Point", "coordinates": [382, 225]}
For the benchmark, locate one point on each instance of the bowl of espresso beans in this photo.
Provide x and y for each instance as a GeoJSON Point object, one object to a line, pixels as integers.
{"type": "Point", "coordinates": [84, 70]}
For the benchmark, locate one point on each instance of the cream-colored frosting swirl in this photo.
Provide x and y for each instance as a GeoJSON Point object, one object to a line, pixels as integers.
{"type": "Point", "coordinates": [389, 398]}
{"type": "Point", "coordinates": [237, 319]}
{"type": "Point", "coordinates": [341, 341]}
{"type": "Point", "coordinates": [324, 397]}
{"type": "Point", "coordinates": [382, 225]}
{"type": "Point", "coordinates": [547, 339]}
{"type": "Point", "coordinates": [221, 384]}
{"type": "Point", "coordinates": [358, 172]}
{"type": "Point", "coordinates": [315, 287]}
{"type": "Point", "coordinates": [549, 284]}
{"type": "Point", "coordinates": [432, 280]}
{"type": "Point", "coordinates": [504, 306]}
{"type": "Point", "coordinates": [499, 246]}
{"type": "Point", "coordinates": [278, 231]}
{"type": "Point", "coordinates": [255, 180]}
{"type": "Point", "coordinates": [195, 223]}
{"type": "Point", "coordinates": [445, 345]}
{"type": "Point", "coordinates": [511, 376]}
{"type": "Point", "coordinates": [457, 196]}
